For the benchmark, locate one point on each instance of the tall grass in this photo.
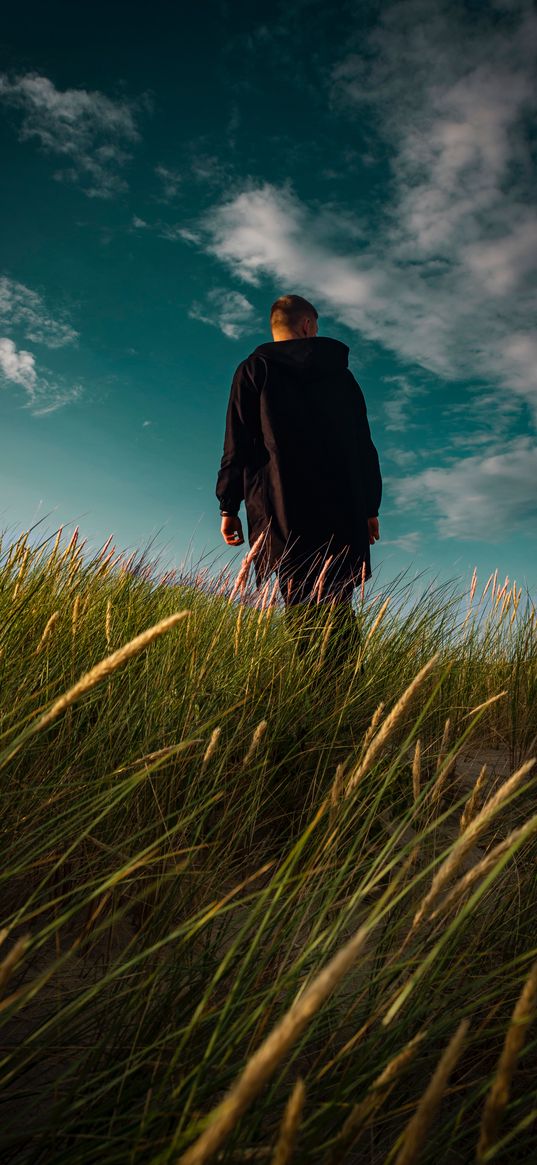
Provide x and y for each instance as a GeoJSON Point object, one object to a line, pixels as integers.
{"type": "Point", "coordinates": [249, 909]}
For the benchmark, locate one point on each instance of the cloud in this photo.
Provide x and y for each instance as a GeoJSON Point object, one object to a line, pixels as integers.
{"type": "Point", "coordinates": [440, 273]}
{"type": "Point", "coordinates": [23, 310]}
{"type": "Point", "coordinates": [20, 307]}
{"type": "Point", "coordinates": [85, 127]}
{"type": "Point", "coordinates": [401, 457]}
{"type": "Point", "coordinates": [171, 182]}
{"type": "Point", "coordinates": [399, 404]}
{"type": "Point", "coordinates": [408, 542]}
{"type": "Point", "coordinates": [19, 367]}
{"type": "Point", "coordinates": [228, 310]}
{"type": "Point", "coordinates": [480, 498]}
{"type": "Point", "coordinates": [451, 93]}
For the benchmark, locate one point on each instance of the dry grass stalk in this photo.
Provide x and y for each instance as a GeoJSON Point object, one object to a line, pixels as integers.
{"type": "Point", "coordinates": [54, 550]}
{"type": "Point", "coordinates": [73, 542]}
{"type": "Point", "coordinates": [105, 564]}
{"type": "Point", "coordinates": [498, 1096]}
{"type": "Point", "coordinates": [242, 577]}
{"type": "Point", "coordinates": [485, 704]}
{"type": "Point", "coordinates": [211, 747]}
{"type": "Point", "coordinates": [444, 745]}
{"type": "Point", "coordinates": [337, 785]}
{"type": "Point", "coordinates": [108, 622]}
{"type": "Point", "coordinates": [471, 805]}
{"type": "Point", "coordinates": [285, 1144]}
{"type": "Point", "coordinates": [370, 731]}
{"type": "Point", "coordinates": [273, 595]}
{"type": "Point", "coordinates": [236, 639]}
{"type": "Point", "coordinates": [443, 770]}
{"type": "Point", "coordinates": [258, 734]}
{"type": "Point", "coordinates": [376, 1095]}
{"type": "Point", "coordinates": [324, 642]}
{"type": "Point", "coordinates": [49, 626]}
{"type": "Point", "coordinates": [502, 591]}
{"type": "Point", "coordinates": [362, 584]}
{"type": "Point", "coordinates": [474, 583]}
{"type": "Point", "coordinates": [487, 863]}
{"type": "Point", "coordinates": [21, 574]}
{"type": "Point", "coordinates": [75, 614]}
{"type": "Point", "coordinates": [489, 580]}
{"type": "Point", "coordinates": [263, 596]}
{"type": "Point", "coordinates": [336, 793]}
{"type": "Point", "coordinates": [466, 840]}
{"type": "Point", "coordinates": [104, 548]}
{"type": "Point", "coordinates": [389, 724]}
{"type": "Point", "coordinates": [94, 677]}
{"type": "Point", "coordinates": [418, 1126]}
{"type": "Point", "coordinates": [318, 588]}
{"type": "Point", "coordinates": [274, 1048]}
{"type": "Point", "coordinates": [494, 581]}
{"type": "Point", "coordinates": [380, 615]}
{"type": "Point", "coordinates": [8, 964]}
{"type": "Point", "coordinates": [125, 566]}
{"type": "Point", "coordinates": [416, 771]}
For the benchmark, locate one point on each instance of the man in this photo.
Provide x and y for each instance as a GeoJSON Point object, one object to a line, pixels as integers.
{"type": "Point", "coordinates": [298, 449]}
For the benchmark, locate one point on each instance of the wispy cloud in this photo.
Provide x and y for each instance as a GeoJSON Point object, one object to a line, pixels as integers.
{"type": "Point", "coordinates": [23, 311]}
{"type": "Point", "coordinates": [44, 394]}
{"type": "Point", "coordinates": [227, 310]}
{"type": "Point", "coordinates": [480, 498]}
{"type": "Point", "coordinates": [407, 542]}
{"type": "Point", "coordinates": [89, 130]}
{"type": "Point", "coordinates": [21, 307]}
{"type": "Point", "coordinates": [399, 403]}
{"type": "Point", "coordinates": [171, 182]}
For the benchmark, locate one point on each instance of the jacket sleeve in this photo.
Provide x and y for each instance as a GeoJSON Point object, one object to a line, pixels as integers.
{"type": "Point", "coordinates": [372, 480]}
{"type": "Point", "coordinates": [242, 429]}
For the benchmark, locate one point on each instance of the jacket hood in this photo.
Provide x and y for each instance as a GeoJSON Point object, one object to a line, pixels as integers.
{"type": "Point", "coordinates": [311, 355]}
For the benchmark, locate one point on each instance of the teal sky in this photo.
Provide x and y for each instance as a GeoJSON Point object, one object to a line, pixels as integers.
{"type": "Point", "coordinates": [168, 170]}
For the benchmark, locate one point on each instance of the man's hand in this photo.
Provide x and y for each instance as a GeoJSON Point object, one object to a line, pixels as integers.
{"type": "Point", "coordinates": [373, 527]}
{"type": "Point", "coordinates": [231, 529]}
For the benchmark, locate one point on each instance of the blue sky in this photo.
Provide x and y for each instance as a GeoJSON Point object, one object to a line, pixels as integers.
{"type": "Point", "coordinates": [169, 170]}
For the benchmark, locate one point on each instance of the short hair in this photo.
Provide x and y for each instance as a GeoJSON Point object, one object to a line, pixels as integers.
{"type": "Point", "coordinates": [288, 310]}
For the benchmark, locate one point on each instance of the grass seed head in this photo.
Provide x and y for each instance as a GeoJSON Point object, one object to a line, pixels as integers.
{"type": "Point", "coordinates": [415, 1134]}
{"type": "Point", "coordinates": [498, 1096]}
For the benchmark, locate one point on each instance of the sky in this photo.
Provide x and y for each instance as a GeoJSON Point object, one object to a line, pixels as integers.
{"type": "Point", "coordinates": [169, 169]}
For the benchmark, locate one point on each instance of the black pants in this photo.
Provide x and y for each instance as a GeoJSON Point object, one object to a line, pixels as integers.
{"type": "Point", "coordinates": [297, 578]}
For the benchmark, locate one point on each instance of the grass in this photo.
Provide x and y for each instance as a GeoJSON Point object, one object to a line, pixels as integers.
{"type": "Point", "coordinates": [249, 908]}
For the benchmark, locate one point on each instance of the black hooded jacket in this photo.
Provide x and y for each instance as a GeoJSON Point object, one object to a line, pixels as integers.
{"type": "Point", "coordinates": [298, 449]}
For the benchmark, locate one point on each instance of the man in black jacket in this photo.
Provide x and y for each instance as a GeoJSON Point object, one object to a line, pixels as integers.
{"type": "Point", "coordinates": [298, 449]}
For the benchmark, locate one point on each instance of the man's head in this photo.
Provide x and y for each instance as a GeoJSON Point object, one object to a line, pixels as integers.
{"type": "Point", "coordinates": [293, 318]}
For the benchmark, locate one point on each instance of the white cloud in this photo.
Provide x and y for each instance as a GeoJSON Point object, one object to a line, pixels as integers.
{"type": "Point", "coordinates": [401, 457]}
{"type": "Point", "coordinates": [228, 310]}
{"type": "Point", "coordinates": [440, 274]}
{"type": "Point", "coordinates": [20, 307]}
{"type": "Point", "coordinates": [85, 127]}
{"type": "Point", "coordinates": [408, 542]}
{"type": "Point", "coordinates": [23, 310]}
{"type": "Point", "coordinates": [18, 366]}
{"type": "Point", "coordinates": [480, 498]}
